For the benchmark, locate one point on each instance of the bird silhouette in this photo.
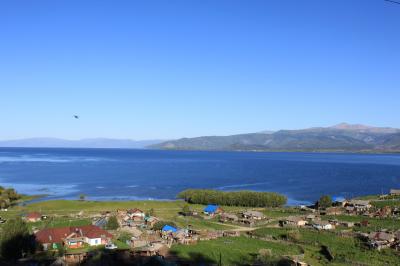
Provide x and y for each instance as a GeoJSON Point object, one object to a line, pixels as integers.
{"type": "Point", "coordinates": [76, 116]}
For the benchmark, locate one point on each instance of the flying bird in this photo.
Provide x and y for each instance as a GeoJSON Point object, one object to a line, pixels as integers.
{"type": "Point", "coordinates": [76, 116]}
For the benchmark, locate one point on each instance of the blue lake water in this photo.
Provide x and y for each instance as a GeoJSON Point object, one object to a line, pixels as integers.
{"type": "Point", "coordinates": [119, 174]}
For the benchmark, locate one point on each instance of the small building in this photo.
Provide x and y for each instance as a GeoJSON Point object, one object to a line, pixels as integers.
{"type": "Point", "coordinates": [339, 201]}
{"type": "Point", "coordinates": [380, 240]}
{"type": "Point", "coordinates": [323, 225]}
{"type": "Point", "coordinates": [359, 205]}
{"type": "Point", "coordinates": [293, 221]}
{"type": "Point", "coordinates": [347, 224]}
{"type": "Point", "coordinates": [151, 221]}
{"type": "Point", "coordinates": [152, 249]}
{"type": "Point", "coordinates": [167, 228]}
{"type": "Point", "coordinates": [255, 215]}
{"type": "Point", "coordinates": [394, 192]}
{"type": "Point", "coordinates": [136, 214]}
{"type": "Point", "coordinates": [33, 217]}
{"type": "Point", "coordinates": [228, 217]}
{"type": "Point", "coordinates": [231, 233]}
{"type": "Point", "coordinates": [212, 210]}
{"type": "Point", "coordinates": [72, 237]}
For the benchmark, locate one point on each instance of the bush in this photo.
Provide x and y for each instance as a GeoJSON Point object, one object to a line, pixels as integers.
{"type": "Point", "coordinates": [112, 223]}
{"type": "Point", "coordinates": [234, 198]}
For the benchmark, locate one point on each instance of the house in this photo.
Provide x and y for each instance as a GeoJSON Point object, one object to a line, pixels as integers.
{"type": "Point", "coordinates": [135, 214]}
{"type": "Point", "coordinates": [231, 233]}
{"type": "Point", "coordinates": [152, 249]}
{"type": "Point", "coordinates": [212, 210]}
{"type": "Point", "coordinates": [254, 215]}
{"type": "Point", "coordinates": [339, 201]}
{"type": "Point", "coordinates": [380, 240]}
{"type": "Point", "coordinates": [323, 225]}
{"type": "Point", "coordinates": [101, 222]}
{"type": "Point", "coordinates": [394, 192]}
{"type": "Point", "coordinates": [293, 221]}
{"type": "Point", "coordinates": [359, 205]}
{"type": "Point", "coordinates": [151, 221]}
{"type": "Point", "coordinates": [347, 224]}
{"type": "Point", "coordinates": [227, 217]}
{"type": "Point", "coordinates": [168, 228]}
{"type": "Point", "coordinates": [73, 237]}
{"type": "Point", "coordinates": [33, 217]}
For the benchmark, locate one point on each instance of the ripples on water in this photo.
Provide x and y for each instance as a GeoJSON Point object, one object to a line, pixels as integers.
{"type": "Point", "coordinates": [121, 174]}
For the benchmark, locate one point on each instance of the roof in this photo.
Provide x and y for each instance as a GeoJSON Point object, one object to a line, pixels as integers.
{"type": "Point", "coordinates": [57, 235]}
{"type": "Point", "coordinates": [167, 228]}
{"type": "Point", "coordinates": [253, 213]}
{"type": "Point", "coordinates": [381, 236]}
{"type": "Point", "coordinates": [322, 223]}
{"type": "Point", "coordinates": [359, 202]}
{"type": "Point", "coordinates": [134, 210]}
{"type": "Point", "coordinates": [294, 219]}
{"type": "Point", "coordinates": [394, 191]}
{"type": "Point", "coordinates": [211, 208]}
{"type": "Point", "coordinates": [34, 215]}
{"type": "Point", "coordinates": [338, 199]}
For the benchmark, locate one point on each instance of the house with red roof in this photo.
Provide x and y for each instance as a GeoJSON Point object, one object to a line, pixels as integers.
{"type": "Point", "coordinates": [73, 237]}
{"type": "Point", "coordinates": [33, 217]}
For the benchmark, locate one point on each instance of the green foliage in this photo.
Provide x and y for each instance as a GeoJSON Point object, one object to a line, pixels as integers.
{"type": "Point", "coordinates": [7, 197]}
{"type": "Point", "coordinates": [15, 240]}
{"type": "Point", "coordinates": [150, 212]}
{"type": "Point", "coordinates": [186, 210]}
{"type": "Point", "coordinates": [235, 198]}
{"type": "Point", "coordinates": [325, 202]}
{"type": "Point", "coordinates": [82, 197]}
{"type": "Point", "coordinates": [112, 223]}
{"type": "Point", "coordinates": [160, 224]}
{"type": "Point", "coordinates": [124, 236]}
{"type": "Point", "coordinates": [231, 251]}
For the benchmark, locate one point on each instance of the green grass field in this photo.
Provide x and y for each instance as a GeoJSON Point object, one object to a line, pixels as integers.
{"type": "Point", "coordinates": [346, 250]}
{"type": "Point", "coordinates": [231, 250]}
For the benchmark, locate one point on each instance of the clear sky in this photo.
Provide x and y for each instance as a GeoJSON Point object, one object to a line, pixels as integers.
{"type": "Point", "coordinates": [169, 69]}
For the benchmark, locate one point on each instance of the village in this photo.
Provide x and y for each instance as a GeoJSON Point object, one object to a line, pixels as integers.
{"type": "Point", "coordinates": [136, 236]}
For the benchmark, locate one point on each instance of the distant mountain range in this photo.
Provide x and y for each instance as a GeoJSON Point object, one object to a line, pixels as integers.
{"type": "Point", "coordinates": [83, 143]}
{"type": "Point", "coordinates": [341, 137]}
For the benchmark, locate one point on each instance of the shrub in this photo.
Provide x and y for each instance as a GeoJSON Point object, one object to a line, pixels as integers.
{"type": "Point", "coordinates": [234, 198]}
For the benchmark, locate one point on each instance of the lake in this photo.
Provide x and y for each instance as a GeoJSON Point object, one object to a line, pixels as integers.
{"type": "Point", "coordinates": [121, 174]}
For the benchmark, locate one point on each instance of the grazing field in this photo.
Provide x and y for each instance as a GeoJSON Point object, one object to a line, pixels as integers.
{"type": "Point", "coordinates": [346, 250]}
{"type": "Point", "coordinates": [232, 250]}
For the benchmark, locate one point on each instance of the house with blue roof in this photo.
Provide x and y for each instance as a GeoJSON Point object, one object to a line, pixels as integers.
{"type": "Point", "coordinates": [212, 209]}
{"type": "Point", "coordinates": [169, 228]}
{"type": "Point", "coordinates": [339, 201]}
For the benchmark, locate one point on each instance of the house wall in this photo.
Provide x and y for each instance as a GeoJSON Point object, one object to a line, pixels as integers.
{"type": "Point", "coordinates": [94, 241]}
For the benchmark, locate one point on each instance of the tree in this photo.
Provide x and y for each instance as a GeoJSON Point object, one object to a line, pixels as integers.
{"type": "Point", "coordinates": [186, 210]}
{"type": "Point", "coordinates": [325, 202]}
{"type": "Point", "coordinates": [17, 241]}
{"type": "Point", "coordinates": [82, 197]}
{"type": "Point", "coordinates": [112, 223]}
{"type": "Point", "coordinates": [150, 212]}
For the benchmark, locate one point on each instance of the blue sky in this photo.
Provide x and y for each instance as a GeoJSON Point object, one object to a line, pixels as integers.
{"type": "Point", "coordinates": [169, 69]}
